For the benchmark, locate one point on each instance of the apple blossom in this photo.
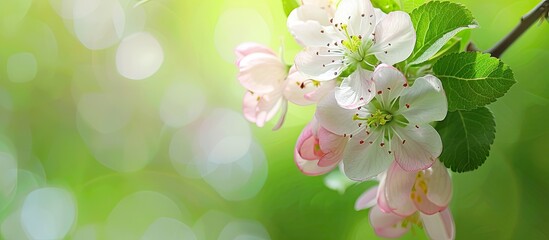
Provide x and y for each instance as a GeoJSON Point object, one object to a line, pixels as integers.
{"type": "Point", "coordinates": [357, 37]}
{"type": "Point", "coordinates": [393, 126]}
{"type": "Point", "coordinates": [318, 150]}
{"type": "Point", "coordinates": [271, 85]}
{"type": "Point", "coordinates": [403, 199]}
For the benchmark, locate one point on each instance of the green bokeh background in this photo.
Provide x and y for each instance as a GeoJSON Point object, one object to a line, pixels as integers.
{"type": "Point", "coordinates": [506, 198]}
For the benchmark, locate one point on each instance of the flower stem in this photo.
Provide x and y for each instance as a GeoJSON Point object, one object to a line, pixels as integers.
{"type": "Point", "coordinates": [525, 22]}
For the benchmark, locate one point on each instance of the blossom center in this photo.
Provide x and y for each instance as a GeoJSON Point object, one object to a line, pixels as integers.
{"type": "Point", "coordinates": [412, 219]}
{"type": "Point", "coordinates": [358, 49]}
{"type": "Point", "coordinates": [353, 42]}
{"type": "Point", "coordinates": [379, 118]}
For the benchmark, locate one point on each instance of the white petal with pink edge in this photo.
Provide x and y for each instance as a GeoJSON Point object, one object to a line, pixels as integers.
{"type": "Point", "coordinates": [416, 147]}
{"type": "Point", "coordinates": [261, 72]}
{"type": "Point", "coordinates": [439, 226]}
{"type": "Point", "coordinates": [398, 186]}
{"type": "Point", "coordinates": [387, 224]}
{"type": "Point", "coordinates": [439, 184]}
{"type": "Point", "coordinates": [367, 200]}
{"type": "Point", "coordinates": [247, 48]}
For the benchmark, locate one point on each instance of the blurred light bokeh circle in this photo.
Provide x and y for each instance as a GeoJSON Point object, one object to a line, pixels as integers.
{"type": "Point", "coordinates": [229, 31]}
{"type": "Point", "coordinates": [182, 104]}
{"type": "Point", "coordinates": [48, 213]}
{"type": "Point", "coordinates": [168, 229]}
{"type": "Point", "coordinates": [22, 67]}
{"type": "Point", "coordinates": [133, 216]}
{"type": "Point", "coordinates": [139, 56]}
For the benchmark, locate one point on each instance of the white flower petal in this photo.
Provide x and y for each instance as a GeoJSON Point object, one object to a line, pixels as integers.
{"type": "Point", "coordinates": [324, 4]}
{"type": "Point", "coordinates": [366, 155]}
{"type": "Point", "coordinates": [395, 38]}
{"type": "Point", "coordinates": [389, 84]}
{"type": "Point", "coordinates": [379, 15]}
{"type": "Point", "coordinates": [333, 117]}
{"type": "Point", "coordinates": [358, 15]}
{"type": "Point", "coordinates": [416, 147]}
{"type": "Point", "coordinates": [310, 26]}
{"type": "Point", "coordinates": [261, 72]}
{"type": "Point", "coordinates": [320, 63]}
{"type": "Point", "coordinates": [398, 186]}
{"type": "Point", "coordinates": [356, 90]}
{"type": "Point", "coordinates": [439, 184]}
{"type": "Point", "coordinates": [425, 101]}
{"type": "Point", "coordinates": [439, 226]}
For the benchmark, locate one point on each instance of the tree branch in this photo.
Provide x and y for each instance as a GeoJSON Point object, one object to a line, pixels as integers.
{"type": "Point", "coordinates": [525, 22]}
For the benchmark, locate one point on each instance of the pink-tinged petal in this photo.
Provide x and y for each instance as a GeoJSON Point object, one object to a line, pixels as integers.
{"type": "Point", "coordinates": [267, 107]}
{"type": "Point", "coordinates": [398, 187]}
{"type": "Point", "coordinates": [425, 101]}
{"type": "Point", "coordinates": [333, 117]}
{"type": "Point", "coordinates": [356, 90]}
{"type": "Point", "coordinates": [283, 111]}
{"type": "Point", "coordinates": [249, 106]}
{"type": "Point", "coordinates": [320, 63]}
{"type": "Point", "coordinates": [247, 48]}
{"type": "Point", "coordinates": [440, 226]}
{"type": "Point", "coordinates": [386, 224]}
{"type": "Point", "coordinates": [395, 38]}
{"type": "Point", "coordinates": [423, 204]}
{"type": "Point", "coordinates": [381, 196]}
{"type": "Point", "coordinates": [301, 90]}
{"type": "Point", "coordinates": [261, 73]}
{"type": "Point", "coordinates": [321, 91]}
{"type": "Point", "coordinates": [416, 147]}
{"type": "Point", "coordinates": [310, 27]}
{"type": "Point", "coordinates": [332, 145]}
{"type": "Point", "coordinates": [367, 200]}
{"type": "Point", "coordinates": [311, 168]}
{"type": "Point", "coordinates": [390, 83]}
{"type": "Point", "coordinates": [439, 184]}
{"type": "Point", "coordinates": [306, 143]}
{"type": "Point", "coordinates": [358, 15]}
{"type": "Point", "coordinates": [366, 155]}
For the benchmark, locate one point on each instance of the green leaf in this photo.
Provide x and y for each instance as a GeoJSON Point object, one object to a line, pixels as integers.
{"type": "Point", "coordinates": [289, 6]}
{"type": "Point", "coordinates": [466, 137]}
{"type": "Point", "coordinates": [387, 5]}
{"type": "Point", "coordinates": [472, 79]}
{"type": "Point", "coordinates": [435, 24]}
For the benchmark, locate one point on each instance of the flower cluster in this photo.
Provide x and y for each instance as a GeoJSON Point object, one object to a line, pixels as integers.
{"type": "Point", "coordinates": [372, 120]}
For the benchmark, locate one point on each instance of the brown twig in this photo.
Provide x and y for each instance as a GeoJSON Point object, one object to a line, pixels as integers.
{"type": "Point", "coordinates": [525, 22]}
